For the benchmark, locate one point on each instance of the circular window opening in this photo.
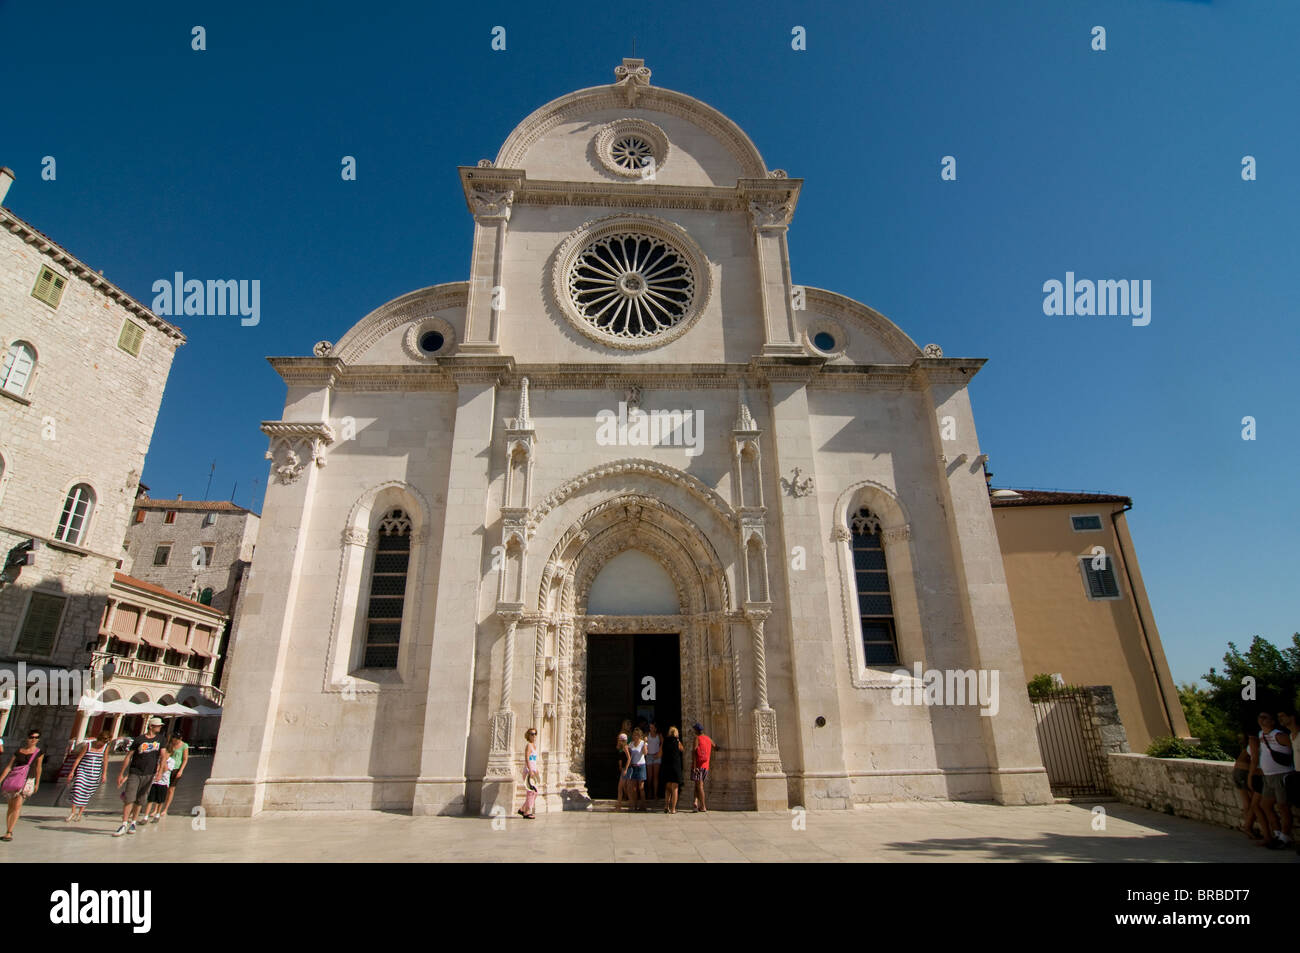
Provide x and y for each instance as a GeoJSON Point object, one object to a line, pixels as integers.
{"type": "Point", "coordinates": [631, 285]}
{"type": "Point", "coordinates": [431, 342]}
{"type": "Point", "coordinates": [824, 341]}
{"type": "Point", "coordinates": [631, 153]}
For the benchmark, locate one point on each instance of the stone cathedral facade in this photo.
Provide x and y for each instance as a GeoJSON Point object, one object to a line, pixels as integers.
{"type": "Point", "coordinates": [627, 469]}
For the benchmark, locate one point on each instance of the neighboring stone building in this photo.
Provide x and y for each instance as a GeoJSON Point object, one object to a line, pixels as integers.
{"type": "Point", "coordinates": [83, 370]}
{"type": "Point", "coordinates": [627, 469]}
{"type": "Point", "coordinates": [1084, 614]}
{"type": "Point", "coordinates": [199, 549]}
{"type": "Point", "coordinates": [156, 647]}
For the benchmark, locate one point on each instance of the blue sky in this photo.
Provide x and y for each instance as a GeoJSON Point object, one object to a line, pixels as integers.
{"type": "Point", "coordinates": [1117, 164]}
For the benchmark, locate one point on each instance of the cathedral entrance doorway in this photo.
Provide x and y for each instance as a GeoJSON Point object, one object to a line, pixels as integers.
{"type": "Point", "coordinates": [636, 678]}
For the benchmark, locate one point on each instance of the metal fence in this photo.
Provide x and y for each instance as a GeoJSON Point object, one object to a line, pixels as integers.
{"type": "Point", "coordinates": [1070, 744]}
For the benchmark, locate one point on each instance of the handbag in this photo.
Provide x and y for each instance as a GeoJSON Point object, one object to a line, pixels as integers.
{"type": "Point", "coordinates": [1284, 758]}
{"type": "Point", "coordinates": [16, 781]}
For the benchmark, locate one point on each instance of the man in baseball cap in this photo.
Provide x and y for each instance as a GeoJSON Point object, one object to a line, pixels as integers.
{"type": "Point", "coordinates": [141, 768]}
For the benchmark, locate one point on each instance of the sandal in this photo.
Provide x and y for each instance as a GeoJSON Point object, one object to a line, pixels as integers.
{"type": "Point", "coordinates": [7, 837]}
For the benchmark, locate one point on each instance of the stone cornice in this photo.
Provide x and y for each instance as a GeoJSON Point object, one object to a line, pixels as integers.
{"type": "Point", "coordinates": [946, 369]}
{"type": "Point", "coordinates": [447, 373]}
{"type": "Point", "coordinates": [625, 195]}
{"type": "Point", "coordinates": [60, 255]}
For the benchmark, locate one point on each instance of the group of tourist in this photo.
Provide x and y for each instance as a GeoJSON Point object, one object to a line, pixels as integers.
{"type": "Point", "coordinates": [1266, 779]}
{"type": "Point", "coordinates": [148, 776]}
{"type": "Point", "coordinates": [646, 759]}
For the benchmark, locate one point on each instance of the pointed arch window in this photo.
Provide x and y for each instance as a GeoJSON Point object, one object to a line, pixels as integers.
{"type": "Point", "coordinates": [75, 515]}
{"type": "Point", "coordinates": [871, 577]}
{"type": "Point", "coordinates": [387, 591]}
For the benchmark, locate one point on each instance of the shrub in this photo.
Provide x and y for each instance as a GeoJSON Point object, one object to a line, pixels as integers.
{"type": "Point", "coordinates": [1182, 748]}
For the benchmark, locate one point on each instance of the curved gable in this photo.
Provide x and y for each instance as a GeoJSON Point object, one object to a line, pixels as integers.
{"type": "Point", "coordinates": [871, 337]}
{"type": "Point", "coordinates": [557, 141]}
{"type": "Point", "coordinates": [377, 338]}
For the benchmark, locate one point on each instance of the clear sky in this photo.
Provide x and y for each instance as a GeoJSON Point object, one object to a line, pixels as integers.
{"type": "Point", "coordinates": [1117, 164]}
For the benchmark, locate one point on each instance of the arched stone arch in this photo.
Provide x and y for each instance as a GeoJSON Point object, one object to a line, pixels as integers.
{"type": "Point", "coordinates": [672, 476]}
{"type": "Point", "coordinates": [633, 521]}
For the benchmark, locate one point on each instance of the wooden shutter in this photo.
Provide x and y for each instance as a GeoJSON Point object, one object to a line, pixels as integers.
{"type": "Point", "coordinates": [131, 337]}
{"type": "Point", "coordinates": [41, 625]}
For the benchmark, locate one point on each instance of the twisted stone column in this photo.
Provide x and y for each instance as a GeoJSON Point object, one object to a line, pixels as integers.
{"type": "Point", "coordinates": [757, 618]}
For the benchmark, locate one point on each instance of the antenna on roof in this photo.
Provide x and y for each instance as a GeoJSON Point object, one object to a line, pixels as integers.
{"type": "Point", "coordinates": [210, 472]}
{"type": "Point", "coordinates": [232, 491]}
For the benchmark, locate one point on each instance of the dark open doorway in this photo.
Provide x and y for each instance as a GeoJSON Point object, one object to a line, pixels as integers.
{"type": "Point", "coordinates": [618, 667]}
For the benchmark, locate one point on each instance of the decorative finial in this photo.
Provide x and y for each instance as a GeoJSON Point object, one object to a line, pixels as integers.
{"type": "Point", "coordinates": [744, 419]}
{"type": "Point", "coordinates": [632, 75]}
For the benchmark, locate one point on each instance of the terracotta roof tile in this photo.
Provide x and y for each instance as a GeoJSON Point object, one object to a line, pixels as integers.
{"type": "Point", "coordinates": [215, 506]}
{"type": "Point", "coordinates": [124, 579]}
{"type": "Point", "coordinates": [1057, 498]}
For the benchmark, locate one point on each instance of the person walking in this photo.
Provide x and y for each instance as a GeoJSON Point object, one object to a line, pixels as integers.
{"type": "Point", "coordinates": [88, 773]}
{"type": "Point", "coordinates": [654, 743]}
{"type": "Point", "coordinates": [1270, 752]}
{"type": "Point", "coordinates": [143, 764]}
{"type": "Point", "coordinates": [1288, 719]}
{"type": "Point", "coordinates": [700, 772]}
{"type": "Point", "coordinates": [21, 779]}
{"type": "Point", "coordinates": [672, 769]}
{"type": "Point", "coordinates": [531, 774]}
{"type": "Point", "coordinates": [636, 770]}
{"type": "Point", "coordinates": [180, 758]}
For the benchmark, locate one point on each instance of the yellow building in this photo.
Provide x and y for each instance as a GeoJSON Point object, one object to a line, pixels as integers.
{"type": "Point", "coordinates": [1080, 605]}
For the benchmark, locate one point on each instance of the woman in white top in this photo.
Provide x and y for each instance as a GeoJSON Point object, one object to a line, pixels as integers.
{"type": "Point", "coordinates": [636, 750]}
{"type": "Point", "coordinates": [1270, 750]}
{"type": "Point", "coordinates": [654, 756]}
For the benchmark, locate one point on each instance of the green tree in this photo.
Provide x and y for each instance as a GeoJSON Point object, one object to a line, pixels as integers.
{"type": "Point", "coordinates": [1205, 720]}
{"type": "Point", "coordinates": [1263, 677]}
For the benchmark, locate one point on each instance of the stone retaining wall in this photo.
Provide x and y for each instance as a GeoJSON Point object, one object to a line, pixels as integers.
{"type": "Point", "coordinates": [1187, 787]}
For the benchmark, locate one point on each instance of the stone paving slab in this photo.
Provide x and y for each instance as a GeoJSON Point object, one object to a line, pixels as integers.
{"type": "Point", "coordinates": [900, 832]}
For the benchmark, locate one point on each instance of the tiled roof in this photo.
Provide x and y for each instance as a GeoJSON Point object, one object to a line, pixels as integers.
{"type": "Point", "coordinates": [214, 506]}
{"type": "Point", "coordinates": [1057, 498]}
{"type": "Point", "coordinates": [125, 580]}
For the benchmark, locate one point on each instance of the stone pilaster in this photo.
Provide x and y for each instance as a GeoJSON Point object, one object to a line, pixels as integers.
{"type": "Point", "coordinates": [814, 674]}
{"type": "Point", "coordinates": [1011, 743]}
{"type": "Point", "coordinates": [490, 195]}
{"type": "Point", "coordinates": [771, 203]}
{"type": "Point", "coordinates": [440, 788]}
{"type": "Point", "coordinates": [237, 786]}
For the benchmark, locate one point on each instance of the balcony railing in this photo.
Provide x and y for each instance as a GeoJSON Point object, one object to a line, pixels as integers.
{"type": "Point", "coordinates": [157, 672]}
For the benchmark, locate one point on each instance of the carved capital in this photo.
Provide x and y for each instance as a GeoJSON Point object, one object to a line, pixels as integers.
{"type": "Point", "coordinates": [771, 212]}
{"type": "Point", "coordinates": [291, 441]}
{"type": "Point", "coordinates": [355, 536]}
{"type": "Point", "coordinates": [898, 533]}
{"type": "Point", "coordinates": [489, 203]}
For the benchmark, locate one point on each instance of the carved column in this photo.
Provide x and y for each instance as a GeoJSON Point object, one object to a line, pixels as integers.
{"type": "Point", "coordinates": [769, 777]}
{"type": "Point", "coordinates": [563, 697]}
{"type": "Point", "coordinates": [501, 750]}
{"type": "Point", "coordinates": [539, 670]}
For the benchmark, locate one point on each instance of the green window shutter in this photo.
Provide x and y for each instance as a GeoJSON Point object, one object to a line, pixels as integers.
{"type": "Point", "coordinates": [131, 337]}
{"type": "Point", "coordinates": [41, 625]}
{"type": "Point", "coordinates": [49, 287]}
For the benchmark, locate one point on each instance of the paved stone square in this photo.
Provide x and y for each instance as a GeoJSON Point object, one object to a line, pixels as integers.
{"type": "Point", "coordinates": [896, 832]}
